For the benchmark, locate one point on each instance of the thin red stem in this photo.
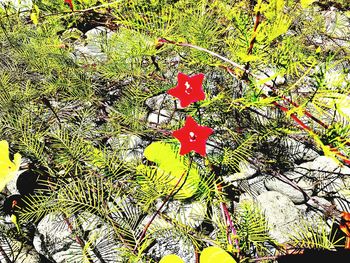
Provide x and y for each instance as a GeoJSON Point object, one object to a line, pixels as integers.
{"type": "Point", "coordinates": [231, 226]}
{"type": "Point", "coordinates": [159, 209]}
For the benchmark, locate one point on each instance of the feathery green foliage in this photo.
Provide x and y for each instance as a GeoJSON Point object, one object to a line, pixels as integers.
{"type": "Point", "coordinates": [78, 106]}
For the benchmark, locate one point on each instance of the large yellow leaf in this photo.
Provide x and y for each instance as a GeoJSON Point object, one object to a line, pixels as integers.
{"type": "Point", "coordinates": [215, 254]}
{"type": "Point", "coordinates": [8, 169]}
{"type": "Point", "coordinates": [171, 178]}
{"type": "Point", "coordinates": [159, 152]}
{"type": "Point", "coordinates": [172, 167]}
{"type": "Point", "coordinates": [172, 258]}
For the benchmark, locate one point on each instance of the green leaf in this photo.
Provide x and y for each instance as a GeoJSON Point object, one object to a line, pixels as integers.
{"type": "Point", "coordinates": [215, 254]}
{"type": "Point", "coordinates": [172, 258]}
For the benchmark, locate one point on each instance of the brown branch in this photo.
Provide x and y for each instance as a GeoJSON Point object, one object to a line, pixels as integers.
{"type": "Point", "coordinates": [252, 41]}
{"type": "Point", "coordinates": [77, 238]}
{"type": "Point", "coordinates": [173, 191]}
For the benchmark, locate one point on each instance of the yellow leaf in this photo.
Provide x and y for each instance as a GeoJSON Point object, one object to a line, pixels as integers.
{"type": "Point", "coordinates": [159, 152]}
{"type": "Point", "coordinates": [171, 178]}
{"type": "Point", "coordinates": [172, 167]}
{"type": "Point", "coordinates": [14, 220]}
{"type": "Point", "coordinates": [306, 3]}
{"type": "Point", "coordinates": [8, 169]}
{"type": "Point", "coordinates": [172, 258]}
{"type": "Point", "coordinates": [215, 254]}
{"type": "Point", "coordinates": [34, 16]}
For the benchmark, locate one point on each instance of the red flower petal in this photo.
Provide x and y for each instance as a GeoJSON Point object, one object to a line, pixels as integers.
{"type": "Point", "coordinates": [188, 89]}
{"type": "Point", "coordinates": [345, 223]}
{"type": "Point", "coordinates": [193, 137]}
{"type": "Point", "coordinates": [345, 215]}
{"type": "Point", "coordinates": [69, 2]}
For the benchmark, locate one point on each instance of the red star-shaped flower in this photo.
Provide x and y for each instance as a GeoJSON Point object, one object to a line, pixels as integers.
{"type": "Point", "coordinates": [192, 137]}
{"type": "Point", "coordinates": [188, 89]}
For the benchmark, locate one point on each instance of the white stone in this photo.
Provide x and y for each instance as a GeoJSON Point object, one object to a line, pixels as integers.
{"type": "Point", "coordinates": [160, 102]}
{"type": "Point", "coordinates": [56, 241]}
{"type": "Point", "coordinates": [97, 32]}
{"type": "Point", "coordinates": [253, 186]}
{"type": "Point", "coordinates": [22, 253]}
{"type": "Point", "coordinates": [12, 185]}
{"type": "Point", "coordinates": [163, 116]}
{"type": "Point", "coordinates": [277, 79]}
{"type": "Point", "coordinates": [281, 214]}
{"type": "Point", "coordinates": [294, 194]}
{"type": "Point", "coordinates": [247, 171]}
{"type": "Point", "coordinates": [20, 4]}
{"type": "Point", "coordinates": [299, 151]}
{"type": "Point", "coordinates": [321, 206]}
{"type": "Point", "coordinates": [91, 49]}
{"type": "Point", "coordinates": [53, 236]}
{"type": "Point", "coordinates": [325, 173]}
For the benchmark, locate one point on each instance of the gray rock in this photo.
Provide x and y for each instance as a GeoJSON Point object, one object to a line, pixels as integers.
{"type": "Point", "coordinates": [160, 102]}
{"type": "Point", "coordinates": [16, 250]}
{"type": "Point", "coordinates": [55, 240]}
{"type": "Point", "coordinates": [159, 117]}
{"type": "Point", "coordinates": [253, 186]}
{"type": "Point", "coordinates": [277, 79]}
{"type": "Point", "coordinates": [99, 32]}
{"type": "Point", "coordinates": [342, 203]}
{"type": "Point", "coordinates": [91, 48]}
{"type": "Point", "coordinates": [294, 194]}
{"type": "Point", "coordinates": [281, 214]}
{"type": "Point", "coordinates": [247, 171]}
{"type": "Point", "coordinates": [299, 151]}
{"type": "Point", "coordinates": [213, 147]}
{"type": "Point", "coordinates": [337, 24]}
{"type": "Point", "coordinates": [12, 185]}
{"type": "Point", "coordinates": [304, 183]}
{"type": "Point", "coordinates": [266, 114]}
{"type": "Point", "coordinates": [167, 240]}
{"type": "Point", "coordinates": [325, 174]}
{"type": "Point", "coordinates": [20, 4]}
{"type": "Point", "coordinates": [321, 207]}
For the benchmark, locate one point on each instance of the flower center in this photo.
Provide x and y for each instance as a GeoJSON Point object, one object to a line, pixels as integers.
{"type": "Point", "coordinates": [193, 137]}
{"type": "Point", "coordinates": [14, 203]}
{"type": "Point", "coordinates": [188, 88]}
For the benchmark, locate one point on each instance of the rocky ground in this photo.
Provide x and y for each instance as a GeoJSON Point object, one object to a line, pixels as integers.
{"type": "Point", "coordinates": [310, 188]}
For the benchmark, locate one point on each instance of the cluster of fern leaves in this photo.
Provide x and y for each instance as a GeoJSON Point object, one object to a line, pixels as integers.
{"type": "Point", "coordinates": [61, 110]}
